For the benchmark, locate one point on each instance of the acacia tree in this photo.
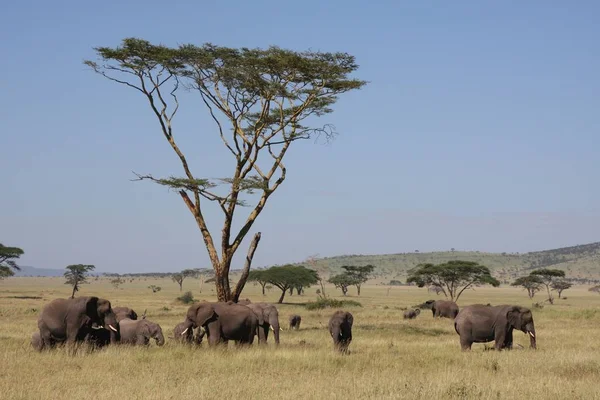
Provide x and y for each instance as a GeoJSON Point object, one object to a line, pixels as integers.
{"type": "Point", "coordinates": [548, 277]}
{"type": "Point", "coordinates": [7, 263]}
{"type": "Point", "coordinates": [261, 101]}
{"type": "Point", "coordinates": [258, 276]}
{"type": "Point", "coordinates": [359, 274]}
{"type": "Point", "coordinates": [77, 275]}
{"type": "Point", "coordinates": [289, 276]}
{"type": "Point", "coordinates": [560, 285]}
{"type": "Point", "coordinates": [180, 277]}
{"type": "Point", "coordinates": [452, 277]}
{"type": "Point", "coordinates": [531, 283]}
{"type": "Point", "coordinates": [342, 281]}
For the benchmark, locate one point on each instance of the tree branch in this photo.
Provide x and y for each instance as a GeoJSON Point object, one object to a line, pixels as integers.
{"type": "Point", "coordinates": [240, 285]}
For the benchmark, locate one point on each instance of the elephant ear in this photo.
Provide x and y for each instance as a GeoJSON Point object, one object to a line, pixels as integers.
{"type": "Point", "coordinates": [204, 314]}
{"type": "Point", "coordinates": [144, 328]}
{"type": "Point", "coordinates": [132, 314]}
{"type": "Point", "coordinates": [103, 306]}
{"type": "Point", "coordinates": [91, 308]}
{"type": "Point", "coordinates": [513, 315]}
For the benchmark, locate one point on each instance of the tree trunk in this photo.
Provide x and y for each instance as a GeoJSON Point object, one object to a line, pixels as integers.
{"type": "Point", "coordinates": [263, 284]}
{"type": "Point", "coordinates": [246, 271]}
{"type": "Point", "coordinates": [74, 290]}
{"type": "Point", "coordinates": [358, 289]}
{"type": "Point", "coordinates": [222, 284]}
{"type": "Point", "coordinates": [282, 295]}
{"type": "Point", "coordinates": [180, 285]}
{"type": "Point", "coordinates": [291, 291]}
{"type": "Point", "coordinates": [344, 290]}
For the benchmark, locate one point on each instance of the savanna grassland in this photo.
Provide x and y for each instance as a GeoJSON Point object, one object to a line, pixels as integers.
{"type": "Point", "coordinates": [390, 357]}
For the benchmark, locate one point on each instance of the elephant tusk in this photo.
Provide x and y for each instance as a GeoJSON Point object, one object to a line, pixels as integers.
{"type": "Point", "coordinates": [280, 328]}
{"type": "Point", "coordinates": [112, 328]}
{"type": "Point", "coordinates": [532, 335]}
{"type": "Point", "coordinates": [271, 326]}
{"type": "Point", "coordinates": [183, 333]}
{"type": "Point", "coordinates": [97, 327]}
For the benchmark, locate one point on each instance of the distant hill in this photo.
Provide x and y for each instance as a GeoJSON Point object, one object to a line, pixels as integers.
{"type": "Point", "coordinates": [581, 263]}
{"type": "Point", "coordinates": [33, 271]}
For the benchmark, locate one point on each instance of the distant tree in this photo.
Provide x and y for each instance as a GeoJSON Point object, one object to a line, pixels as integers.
{"type": "Point", "coordinates": [257, 276]}
{"type": "Point", "coordinates": [342, 281]}
{"type": "Point", "coordinates": [452, 249]}
{"type": "Point", "coordinates": [155, 288]}
{"type": "Point", "coordinates": [595, 289]}
{"type": "Point", "coordinates": [7, 263]}
{"type": "Point", "coordinates": [202, 274]}
{"type": "Point", "coordinates": [321, 272]}
{"type": "Point", "coordinates": [116, 282]}
{"type": "Point", "coordinates": [560, 285]}
{"type": "Point", "coordinates": [262, 102]}
{"type": "Point", "coordinates": [77, 275]}
{"type": "Point", "coordinates": [289, 276]}
{"type": "Point", "coordinates": [180, 277]}
{"type": "Point", "coordinates": [548, 277]}
{"type": "Point", "coordinates": [359, 274]}
{"type": "Point", "coordinates": [531, 283]}
{"type": "Point", "coordinates": [453, 277]}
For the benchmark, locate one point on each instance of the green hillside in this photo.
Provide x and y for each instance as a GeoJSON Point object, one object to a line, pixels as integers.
{"type": "Point", "coordinates": [581, 263]}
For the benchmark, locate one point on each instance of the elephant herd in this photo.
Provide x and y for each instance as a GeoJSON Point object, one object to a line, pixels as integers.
{"type": "Point", "coordinates": [479, 323]}
{"type": "Point", "coordinates": [94, 321]}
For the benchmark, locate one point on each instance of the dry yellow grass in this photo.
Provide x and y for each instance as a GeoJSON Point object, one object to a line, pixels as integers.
{"type": "Point", "coordinates": [390, 358]}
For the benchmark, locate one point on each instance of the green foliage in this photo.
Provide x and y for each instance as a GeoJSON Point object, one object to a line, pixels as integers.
{"type": "Point", "coordinates": [7, 263]}
{"type": "Point", "coordinates": [395, 282]}
{"type": "Point", "coordinates": [321, 304]}
{"type": "Point", "coordinates": [288, 276]}
{"type": "Point", "coordinates": [358, 274]}
{"type": "Point", "coordinates": [561, 285]}
{"type": "Point", "coordinates": [186, 298]}
{"type": "Point", "coordinates": [531, 283]}
{"type": "Point", "coordinates": [548, 277]}
{"type": "Point", "coordinates": [77, 275]}
{"type": "Point", "coordinates": [180, 277]}
{"type": "Point", "coordinates": [261, 101]}
{"type": "Point", "coordinates": [154, 288]}
{"type": "Point", "coordinates": [453, 277]}
{"type": "Point", "coordinates": [342, 281]}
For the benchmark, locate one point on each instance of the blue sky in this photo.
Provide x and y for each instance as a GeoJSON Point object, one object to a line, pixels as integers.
{"type": "Point", "coordinates": [479, 130]}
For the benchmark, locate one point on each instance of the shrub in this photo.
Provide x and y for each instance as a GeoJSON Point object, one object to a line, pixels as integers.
{"type": "Point", "coordinates": [321, 304]}
{"type": "Point", "coordinates": [186, 298]}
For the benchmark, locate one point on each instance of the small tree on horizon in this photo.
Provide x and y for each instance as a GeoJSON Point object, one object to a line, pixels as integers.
{"type": "Point", "coordinates": [453, 277]}
{"type": "Point", "coordinates": [289, 276]}
{"type": "Point", "coordinates": [548, 277]}
{"type": "Point", "coordinates": [560, 285]}
{"type": "Point", "coordinates": [531, 283]}
{"type": "Point", "coordinates": [77, 275]}
{"type": "Point", "coordinates": [262, 101]}
{"type": "Point", "coordinates": [180, 277]}
{"type": "Point", "coordinates": [258, 276]}
{"type": "Point", "coordinates": [7, 263]}
{"type": "Point", "coordinates": [359, 274]}
{"type": "Point", "coordinates": [342, 281]}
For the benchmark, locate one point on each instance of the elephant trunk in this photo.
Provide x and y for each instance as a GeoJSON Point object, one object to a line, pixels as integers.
{"type": "Point", "coordinates": [160, 339]}
{"type": "Point", "coordinates": [276, 328]}
{"type": "Point", "coordinates": [110, 323]}
{"type": "Point", "coordinates": [530, 330]}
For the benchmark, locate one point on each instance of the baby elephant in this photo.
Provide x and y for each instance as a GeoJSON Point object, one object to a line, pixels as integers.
{"type": "Point", "coordinates": [139, 332]}
{"type": "Point", "coordinates": [340, 328]}
{"type": "Point", "coordinates": [36, 341]}
{"type": "Point", "coordinates": [183, 335]}
{"type": "Point", "coordinates": [411, 314]}
{"type": "Point", "coordinates": [295, 321]}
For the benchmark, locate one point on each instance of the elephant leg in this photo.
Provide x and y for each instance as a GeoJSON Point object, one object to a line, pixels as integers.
{"type": "Point", "coordinates": [465, 344]}
{"type": "Point", "coordinates": [499, 339]}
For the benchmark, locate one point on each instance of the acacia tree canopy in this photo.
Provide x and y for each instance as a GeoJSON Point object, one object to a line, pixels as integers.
{"type": "Point", "coordinates": [548, 277]}
{"type": "Point", "coordinates": [76, 275]}
{"type": "Point", "coordinates": [7, 263]}
{"type": "Point", "coordinates": [289, 276]}
{"type": "Point", "coordinates": [531, 283]}
{"type": "Point", "coordinates": [452, 277]}
{"type": "Point", "coordinates": [261, 101]}
{"type": "Point", "coordinates": [342, 281]}
{"type": "Point", "coordinates": [359, 274]}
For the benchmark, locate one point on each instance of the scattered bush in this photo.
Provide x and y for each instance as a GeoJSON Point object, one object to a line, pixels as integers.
{"type": "Point", "coordinates": [155, 288]}
{"type": "Point", "coordinates": [321, 304]}
{"type": "Point", "coordinates": [186, 298]}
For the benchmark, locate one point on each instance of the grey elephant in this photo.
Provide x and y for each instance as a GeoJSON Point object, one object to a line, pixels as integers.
{"type": "Point", "coordinates": [443, 308]}
{"type": "Point", "coordinates": [98, 338]}
{"type": "Point", "coordinates": [411, 314]}
{"type": "Point", "coordinates": [36, 341]}
{"type": "Point", "coordinates": [340, 328]}
{"type": "Point", "coordinates": [223, 322]}
{"type": "Point", "coordinates": [268, 318]}
{"type": "Point", "coordinates": [71, 320]}
{"type": "Point", "coordinates": [188, 336]}
{"type": "Point", "coordinates": [480, 323]}
{"type": "Point", "coordinates": [124, 312]}
{"type": "Point", "coordinates": [139, 332]}
{"type": "Point", "coordinates": [295, 321]}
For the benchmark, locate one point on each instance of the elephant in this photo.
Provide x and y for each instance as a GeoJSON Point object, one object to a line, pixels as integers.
{"type": "Point", "coordinates": [98, 338]}
{"type": "Point", "coordinates": [223, 322]}
{"type": "Point", "coordinates": [139, 332]}
{"type": "Point", "coordinates": [125, 312]}
{"type": "Point", "coordinates": [36, 341]}
{"type": "Point", "coordinates": [443, 308]}
{"type": "Point", "coordinates": [295, 321]}
{"type": "Point", "coordinates": [71, 320]}
{"type": "Point", "coordinates": [340, 328]}
{"type": "Point", "coordinates": [188, 336]}
{"type": "Point", "coordinates": [268, 318]}
{"type": "Point", "coordinates": [480, 323]}
{"type": "Point", "coordinates": [411, 314]}
{"type": "Point", "coordinates": [244, 302]}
